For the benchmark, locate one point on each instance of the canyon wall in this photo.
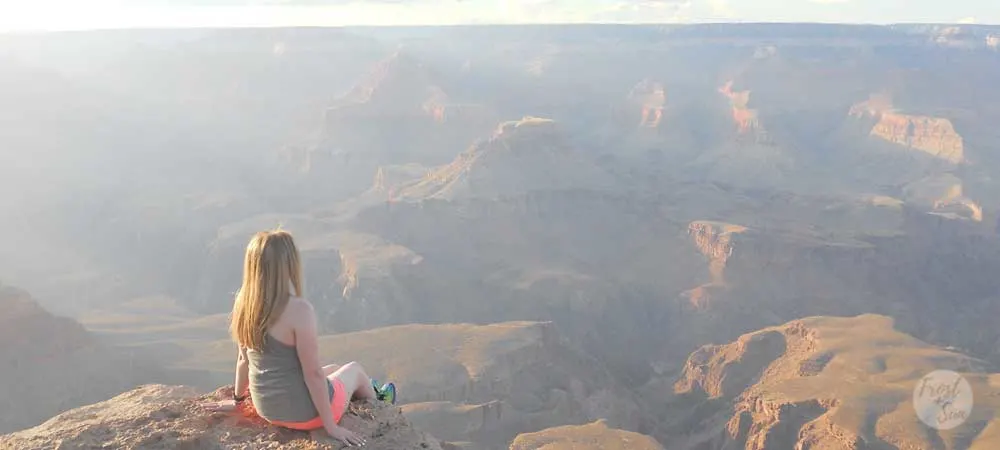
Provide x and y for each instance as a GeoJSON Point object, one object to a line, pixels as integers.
{"type": "Point", "coordinates": [935, 136]}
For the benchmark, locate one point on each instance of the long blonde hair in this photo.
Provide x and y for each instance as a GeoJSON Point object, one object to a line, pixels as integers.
{"type": "Point", "coordinates": [271, 274]}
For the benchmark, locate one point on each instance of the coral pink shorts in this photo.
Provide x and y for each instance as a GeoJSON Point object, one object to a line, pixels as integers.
{"type": "Point", "coordinates": [338, 405]}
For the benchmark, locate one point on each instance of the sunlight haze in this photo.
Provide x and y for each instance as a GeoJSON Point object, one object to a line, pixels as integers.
{"type": "Point", "coordinates": [48, 15]}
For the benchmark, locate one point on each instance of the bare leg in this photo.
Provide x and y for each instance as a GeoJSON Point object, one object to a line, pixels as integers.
{"type": "Point", "coordinates": [357, 383]}
{"type": "Point", "coordinates": [330, 369]}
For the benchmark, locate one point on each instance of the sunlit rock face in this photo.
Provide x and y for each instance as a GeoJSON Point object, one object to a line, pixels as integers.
{"type": "Point", "coordinates": [935, 136]}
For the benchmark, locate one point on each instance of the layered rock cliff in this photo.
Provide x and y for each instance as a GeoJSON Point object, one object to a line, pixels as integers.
{"type": "Point", "coordinates": [935, 136]}
{"type": "Point", "coordinates": [932, 135]}
{"type": "Point", "coordinates": [714, 241]}
{"type": "Point", "coordinates": [824, 382]}
{"type": "Point", "coordinates": [169, 417]}
{"type": "Point", "coordinates": [745, 118]}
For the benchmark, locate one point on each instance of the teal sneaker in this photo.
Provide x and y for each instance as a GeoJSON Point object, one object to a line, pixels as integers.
{"type": "Point", "coordinates": [385, 393]}
{"type": "Point", "coordinates": [388, 393]}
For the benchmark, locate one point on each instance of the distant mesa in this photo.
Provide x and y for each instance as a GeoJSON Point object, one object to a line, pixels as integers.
{"type": "Point", "coordinates": [651, 98]}
{"type": "Point", "coordinates": [745, 118]}
{"type": "Point", "coordinates": [592, 436]}
{"type": "Point", "coordinates": [932, 135]}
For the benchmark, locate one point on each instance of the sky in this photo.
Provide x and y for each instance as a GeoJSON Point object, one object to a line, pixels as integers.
{"type": "Point", "coordinates": [44, 15]}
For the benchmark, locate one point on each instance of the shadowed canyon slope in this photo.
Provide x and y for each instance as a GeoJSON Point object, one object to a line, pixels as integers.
{"type": "Point", "coordinates": [52, 363]}
{"type": "Point", "coordinates": [649, 188]}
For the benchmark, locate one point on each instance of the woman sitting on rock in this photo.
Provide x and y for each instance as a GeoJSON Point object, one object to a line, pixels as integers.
{"type": "Point", "coordinates": [278, 362]}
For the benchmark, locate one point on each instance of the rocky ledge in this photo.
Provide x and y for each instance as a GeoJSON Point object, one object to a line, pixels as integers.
{"type": "Point", "coordinates": [169, 417]}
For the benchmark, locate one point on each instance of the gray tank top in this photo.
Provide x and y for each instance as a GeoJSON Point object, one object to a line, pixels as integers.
{"type": "Point", "coordinates": [277, 387]}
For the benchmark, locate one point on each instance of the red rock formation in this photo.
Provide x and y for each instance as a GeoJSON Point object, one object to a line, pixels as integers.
{"type": "Point", "coordinates": [745, 118]}
{"type": "Point", "coordinates": [933, 135]}
{"type": "Point", "coordinates": [651, 98]}
{"type": "Point", "coordinates": [824, 382]}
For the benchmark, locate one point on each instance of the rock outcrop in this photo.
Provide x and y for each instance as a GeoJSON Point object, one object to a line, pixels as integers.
{"type": "Point", "coordinates": [932, 135]}
{"type": "Point", "coordinates": [169, 417]}
{"type": "Point", "coordinates": [745, 118]}
{"type": "Point", "coordinates": [650, 97]}
{"type": "Point", "coordinates": [943, 195]}
{"type": "Point", "coordinates": [592, 436]}
{"type": "Point", "coordinates": [714, 241]}
{"type": "Point", "coordinates": [52, 363]}
{"type": "Point", "coordinates": [825, 382]}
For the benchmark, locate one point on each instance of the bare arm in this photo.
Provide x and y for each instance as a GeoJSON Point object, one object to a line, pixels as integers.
{"type": "Point", "coordinates": [242, 373]}
{"type": "Point", "coordinates": [307, 347]}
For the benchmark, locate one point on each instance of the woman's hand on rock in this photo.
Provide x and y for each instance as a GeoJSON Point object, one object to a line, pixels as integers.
{"type": "Point", "coordinates": [347, 436]}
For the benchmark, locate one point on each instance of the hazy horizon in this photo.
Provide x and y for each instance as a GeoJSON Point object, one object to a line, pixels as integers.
{"type": "Point", "coordinates": [38, 16]}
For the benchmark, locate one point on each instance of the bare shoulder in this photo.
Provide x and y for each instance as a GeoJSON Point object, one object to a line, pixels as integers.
{"type": "Point", "coordinates": [299, 309]}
